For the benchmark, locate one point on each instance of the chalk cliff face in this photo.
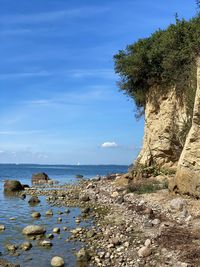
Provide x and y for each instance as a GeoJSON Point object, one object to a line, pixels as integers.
{"type": "Point", "coordinates": [187, 178]}
{"type": "Point", "coordinates": [164, 118]}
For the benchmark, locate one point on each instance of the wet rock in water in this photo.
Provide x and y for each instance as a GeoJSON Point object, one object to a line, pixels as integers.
{"type": "Point", "coordinates": [11, 247]}
{"type": "Point", "coordinates": [26, 246]}
{"type": "Point", "coordinates": [34, 200]}
{"type": "Point", "coordinates": [2, 227]}
{"type": "Point", "coordinates": [40, 178]}
{"type": "Point", "coordinates": [177, 204]}
{"type": "Point", "coordinates": [84, 198]}
{"type": "Point", "coordinates": [57, 262]}
{"type": "Point", "coordinates": [35, 215]}
{"type": "Point", "coordinates": [49, 213]}
{"type": "Point", "coordinates": [56, 230]}
{"type": "Point", "coordinates": [50, 236]}
{"type": "Point", "coordinates": [46, 243]}
{"type": "Point", "coordinates": [83, 255]}
{"type": "Point", "coordinates": [60, 219]}
{"type": "Point", "coordinates": [33, 230]}
{"type": "Point", "coordinates": [23, 196]}
{"type": "Point", "coordinates": [67, 211]}
{"type": "Point", "coordinates": [79, 176]}
{"type": "Point", "coordinates": [11, 186]}
{"type": "Point", "coordinates": [5, 263]}
{"type": "Point", "coordinates": [144, 252]}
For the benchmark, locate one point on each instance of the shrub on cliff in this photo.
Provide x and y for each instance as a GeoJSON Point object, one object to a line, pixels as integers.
{"type": "Point", "coordinates": [165, 60]}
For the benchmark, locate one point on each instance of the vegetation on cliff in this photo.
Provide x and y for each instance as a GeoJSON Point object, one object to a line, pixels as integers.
{"type": "Point", "coordinates": [165, 60]}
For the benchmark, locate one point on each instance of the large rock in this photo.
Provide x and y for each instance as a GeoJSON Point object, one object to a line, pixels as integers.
{"type": "Point", "coordinates": [11, 186]}
{"type": "Point", "coordinates": [163, 122]}
{"type": "Point", "coordinates": [40, 178]}
{"type": "Point", "coordinates": [187, 180]}
{"type": "Point", "coordinates": [33, 230]}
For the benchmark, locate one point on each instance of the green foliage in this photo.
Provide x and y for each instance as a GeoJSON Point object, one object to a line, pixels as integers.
{"type": "Point", "coordinates": [165, 60]}
{"type": "Point", "coordinates": [146, 187]}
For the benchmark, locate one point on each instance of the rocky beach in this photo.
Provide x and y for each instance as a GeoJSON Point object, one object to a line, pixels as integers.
{"type": "Point", "coordinates": [128, 228]}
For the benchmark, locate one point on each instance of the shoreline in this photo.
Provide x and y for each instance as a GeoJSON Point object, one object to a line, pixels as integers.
{"type": "Point", "coordinates": [129, 229]}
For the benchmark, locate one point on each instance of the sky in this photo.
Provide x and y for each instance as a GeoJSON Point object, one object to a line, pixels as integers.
{"type": "Point", "coordinates": [59, 100]}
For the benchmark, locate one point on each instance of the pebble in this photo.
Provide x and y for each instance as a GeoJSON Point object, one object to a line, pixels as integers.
{"type": "Point", "coordinates": [35, 215]}
{"type": "Point", "coordinates": [56, 230]}
{"type": "Point", "coordinates": [144, 252]}
{"type": "Point", "coordinates": [2, 227]}
{"type": "Point", "coordinates": [57, 262]}
{"type": "Point", "coordinates": [49, 213]}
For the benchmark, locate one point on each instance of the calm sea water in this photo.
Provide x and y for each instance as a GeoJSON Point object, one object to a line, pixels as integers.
{"type": "Point", "coordinates": [15, 207]}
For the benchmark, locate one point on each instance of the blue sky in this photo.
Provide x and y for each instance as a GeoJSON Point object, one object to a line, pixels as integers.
{"type": "Point", "coordinates": [59, 102]}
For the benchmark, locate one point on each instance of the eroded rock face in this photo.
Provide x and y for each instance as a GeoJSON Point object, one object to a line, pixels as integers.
{"type": "Point", "coordinates": [164, 117]}
{"type": "Point", "coordinates": [187, 178]}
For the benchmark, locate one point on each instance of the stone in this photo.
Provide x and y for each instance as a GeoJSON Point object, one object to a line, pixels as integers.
{"type": "Point", "coordinates": [83, 255]}
{"type": "Point", "coordinates": [156, 222]}
{"type": "Point", "coordinates": [46, 243]}
{"type": "Point", "coordinates": [57, 262]}
{"type": "Point", "coordinates": [144, 252]}
{"type": "Point", "coordinates": [33, 230]}
{"type": "Point", "coordinates": [147, 243]}
{"type": "Point", "coordinates": [40, 178]}
{"type": "Point", "coordinates": [187, 176]}
{"type": "Point", "coordinates": [115, 194]}
{"type": "Point", "coordinates": [2, 227]}
{"type": "Point", "coordinates": [34, 200]}
{"type": "Point", "coordinates": [26, 246]}
{"type": "Point", "coordinates": [56, 230]}
{"type": "Point", "coordinates": [177, 204]}
{"type": "Point", "coordinates": [67, 211]}
{"type": "Point", "coordinates": [49, 213]}
{"type": "Point", "coordinates": [79, 176]}
{"type": "Point", "coordinates": [90, 233]}
{"type": "Point", "coordinates": [84, 198]}
{"type": "Point", "coordinates": [50, 236]}
{"type": "Point", "coordinates": [11, 186]}
{"type": "Point", "coordinates": [11, 247]}
{"type": "Point", "coordinates": [35, 215]}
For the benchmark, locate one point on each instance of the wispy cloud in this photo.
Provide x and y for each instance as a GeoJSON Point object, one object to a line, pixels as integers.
{"type": "Point", "coordinates": [16, 75]}
{"type": "Point", "coordinates": [82, 12]}
{"type": "Point", "coordinates": [21, 132]}
{"type": "Point", "coordinates": [109, 145]}
{"type": "Point", "coordinates": [82, 73]}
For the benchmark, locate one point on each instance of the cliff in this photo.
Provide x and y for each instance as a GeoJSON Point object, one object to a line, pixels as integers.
{"type": "Point", "coordinates": [187, 178]}
{"type": "Point", "coordinates": [164, 118]}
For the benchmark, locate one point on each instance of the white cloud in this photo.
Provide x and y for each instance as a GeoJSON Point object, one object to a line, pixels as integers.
{"type": "Point", "coordinates": [109, 145]}
{"type": "Point", "coordinates": [20, 132]}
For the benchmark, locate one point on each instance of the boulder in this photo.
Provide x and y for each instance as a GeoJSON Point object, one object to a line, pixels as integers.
{"type": "Point", "coordinates": [34, 200]}
{"type": "Point", "coordinates": [33, 230]}
{"type": "Point", "coordinates": [11, 186]}
{"type": "Point", "coordinates": [40, 178]}
{"type": "Point", "coordinates": [57, 262]}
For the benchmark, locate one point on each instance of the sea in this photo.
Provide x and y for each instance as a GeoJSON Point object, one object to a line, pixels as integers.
{"type": "Point", "coordinates": [15, 213]}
